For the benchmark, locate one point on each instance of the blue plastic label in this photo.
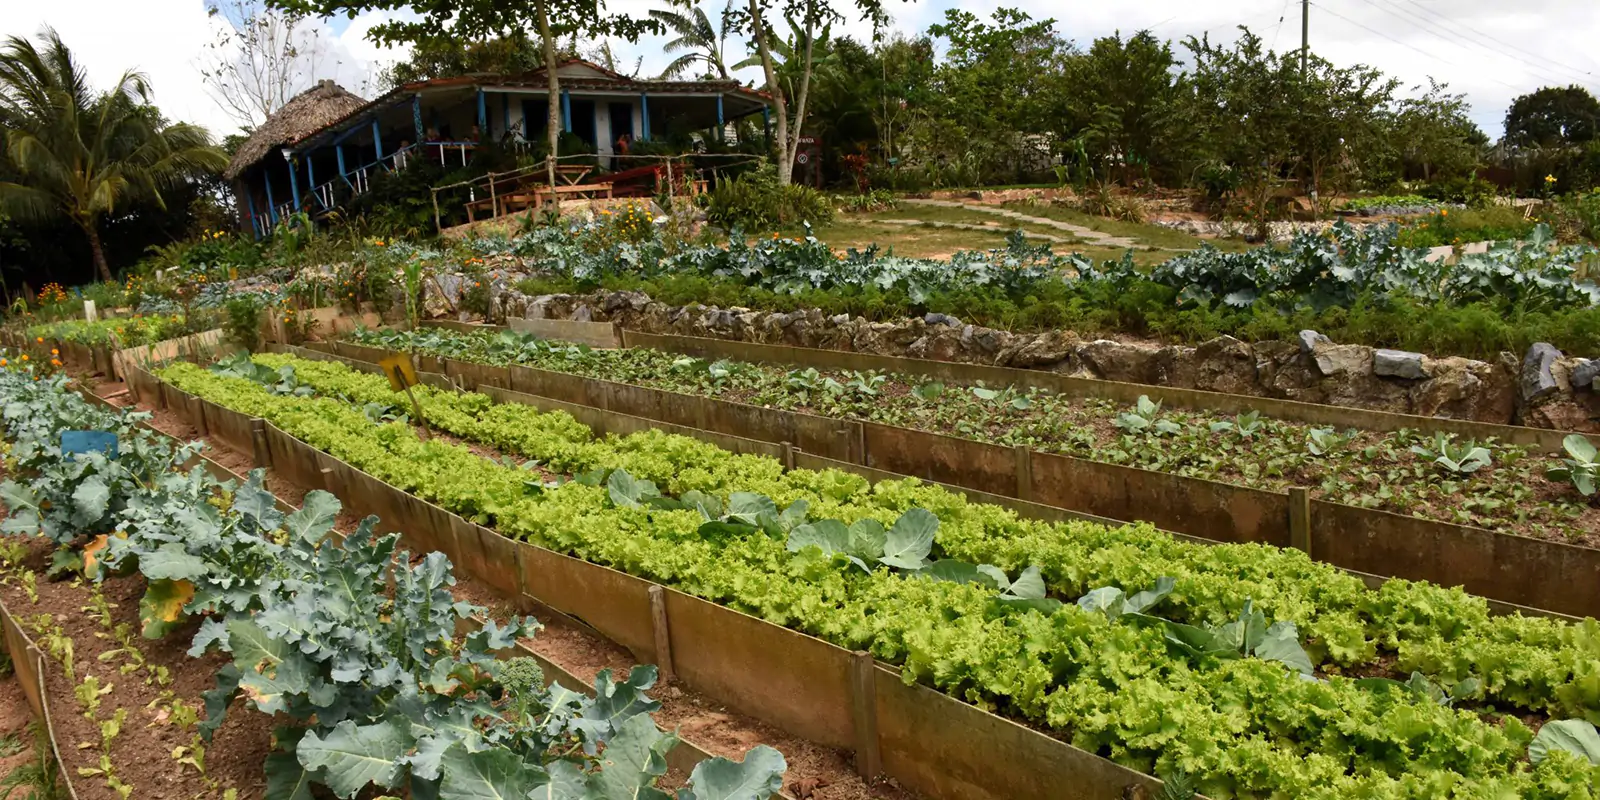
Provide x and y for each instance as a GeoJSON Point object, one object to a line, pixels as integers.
{"type": "Point", "coordinates": [89, 442]}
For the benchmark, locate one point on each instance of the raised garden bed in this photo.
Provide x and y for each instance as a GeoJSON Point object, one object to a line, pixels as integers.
{"type": "Point", "coordinates": [1508, 568]}
{"type": "Point", "coordinates": [274, 668]}
{"type": "Point", "coordinates": [619, 606]}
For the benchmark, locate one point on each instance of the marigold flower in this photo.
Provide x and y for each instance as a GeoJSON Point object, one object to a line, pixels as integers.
{"type": "Point", "coordinates": [39, 339]}
{"type": "Point", "coordinates": [24, 356]}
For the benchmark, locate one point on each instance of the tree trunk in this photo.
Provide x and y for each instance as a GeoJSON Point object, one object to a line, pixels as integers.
{"type": "Point", "coordinates": [553, 92]}
{"type": "Point", "coordinates": [793, 146]}
{"type": "Point", "coordinates": [95, 247]}
{"type": "Point", "coordinates": [758, 29]}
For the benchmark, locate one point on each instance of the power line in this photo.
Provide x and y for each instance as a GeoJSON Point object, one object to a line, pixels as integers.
{"type": "Point", "coordinates": [1587, 73]}
{"type": "Point", "coordinates": [1424, 25]}
{"type": "Point", "coordinates": [1406, 45]}
{"type": "Point", "coordinates": [1282, 12]}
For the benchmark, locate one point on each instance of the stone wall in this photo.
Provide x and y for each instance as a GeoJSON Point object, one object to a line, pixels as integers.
{"type": "Point", "coordinates": [1543, 389]}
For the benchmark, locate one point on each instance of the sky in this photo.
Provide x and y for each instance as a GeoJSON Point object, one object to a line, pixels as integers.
{"type": "Point", "coordinates": [1490, 50]}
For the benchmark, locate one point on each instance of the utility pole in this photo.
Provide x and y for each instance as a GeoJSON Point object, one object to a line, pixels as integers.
{"type": "Point", "coordinates": [1305, 34]}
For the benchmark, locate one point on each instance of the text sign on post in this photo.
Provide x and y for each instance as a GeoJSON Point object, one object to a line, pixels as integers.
{"type": "Point", "coordinates": [88, 442]}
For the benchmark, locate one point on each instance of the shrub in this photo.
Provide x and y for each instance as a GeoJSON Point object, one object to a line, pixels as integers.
{"type": "Point", "coordinates": [755, 201]}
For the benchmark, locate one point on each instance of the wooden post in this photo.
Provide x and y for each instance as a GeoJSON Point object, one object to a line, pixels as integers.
{"type": "Point", "coordinates": [1024, 473]}
{"type": "Point", "coordinates": [437, 227]}
{"type": "Point", "coordinates": [258, 443]}
{"type": "Point", "coordinates": [788, 457]}
{"type": "Point", "coordinates": [658, 621]}
{"type": "Point", "coordinates": [197, 417]}
{"type": "Point", "coordinates": [1300, 520]}
{"type": "Point", "coordinates": [864, 714]}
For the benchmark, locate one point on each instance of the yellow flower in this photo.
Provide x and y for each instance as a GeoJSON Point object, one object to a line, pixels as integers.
{"type": "Point", "coordinates": [39, 339]}
{"type": "Point", "coordinates": [1549, 179]}
{"type": "Point", "coordinates": [24, 356]}
{"type": "Point", "coordinates": [55, 352]}
{"type": "Point", "coordinates": [1444, 212]}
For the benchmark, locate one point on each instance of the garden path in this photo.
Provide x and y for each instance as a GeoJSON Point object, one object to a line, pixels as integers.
{"type": "Point", "coordinates": [967, 226]}
{"type": "Point", "coordinates": [1086, 235]}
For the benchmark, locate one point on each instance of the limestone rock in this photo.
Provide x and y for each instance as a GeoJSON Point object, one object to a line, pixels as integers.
{"type": "Point", "coordinates": [1309, 340]}
{"type": "Point", "coordinates": [1342, 359]}
{"type": "Point", "coordinates": [934, 318]}
{"type": "Point", "coordinates": [1042, 349]}
{"type": "Point", "coordinates": [1583, 374]}
{"type": "Point", "coordinates": [1537, 381]}
{"type": "Point", "coordinates": [1398, 364]}
{"type": "Point", "coordinates": [1224, 364]}
{"type": "Point", "coordinates": [1117, 361]}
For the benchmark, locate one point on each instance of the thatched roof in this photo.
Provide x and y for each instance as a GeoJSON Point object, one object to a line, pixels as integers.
{"type": "Point", "coordinates": [306, 113]}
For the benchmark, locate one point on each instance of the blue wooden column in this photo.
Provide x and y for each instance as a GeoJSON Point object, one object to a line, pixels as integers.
{"type": "Point", "coordinates": [311, 172]}
{"type": "Point", "coordinates": [250, 203]}
{"type": "Point", "coordinates": [272, 205]}
{"type": "Point", "coordinates": [377, 140]}
{"type": "Point", "coordinates": [416, 117]}
{"type": "Point", "coordinates": [294, 183]}
{"type": "Point", "coordinates": [338, 151]}
{"type": "Point", "coordinates": [644, 116]}
{"type": "Point", "coordinates": [483, 115]}
{"type": "Point", "coordinates": [566, 110]}
{"type": "Point", "coordinates": [721, 124]}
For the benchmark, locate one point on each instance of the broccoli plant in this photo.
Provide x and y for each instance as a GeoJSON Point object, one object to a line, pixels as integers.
{"type": "Point", "coordinates": [1580, 467]}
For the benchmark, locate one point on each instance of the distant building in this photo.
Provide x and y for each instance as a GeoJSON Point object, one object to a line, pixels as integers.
{"type": "Point", "coordinates": [327, 143]}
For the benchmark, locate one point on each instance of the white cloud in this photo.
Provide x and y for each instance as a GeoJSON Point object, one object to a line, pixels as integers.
{"type": "Point", "coordinates": [1490, 49]}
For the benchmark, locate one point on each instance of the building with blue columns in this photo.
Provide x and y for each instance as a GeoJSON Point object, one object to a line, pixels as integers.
{"type": "Point", "coordinates": [327, 144]}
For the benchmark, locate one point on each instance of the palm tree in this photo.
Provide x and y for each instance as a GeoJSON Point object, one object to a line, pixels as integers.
{"type": "Point", "coordinates": [84, 155]}
{"type": "Point", "coordinates": [696, 35]}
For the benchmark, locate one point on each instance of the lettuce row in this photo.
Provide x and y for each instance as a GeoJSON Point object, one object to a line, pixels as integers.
{"type": "Point", "coordinates": [1535, 663]}
{"type": "Point", "coordinates": [1242, 726]}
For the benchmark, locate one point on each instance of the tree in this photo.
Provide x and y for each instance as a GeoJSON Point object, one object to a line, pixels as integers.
{"type": "Point", "coordinates": [695, 34]}
{"type": "Point", "coordinates": [448, 57]}
{"type": "Point", "coordinates": [84, 156]}
{"type": "Point", "coordinates": [261, 58]}
{"type": "Point", "coordinates": [1432, 135]}
{"type": "Point", "coordinates": [467, 20]}
{"type": "Point", "coordinates": [805, 17]}
{"type": "Point", "coordinates": [1553, 117]}
{"type": "Point", "coordinates": [1121, 100]}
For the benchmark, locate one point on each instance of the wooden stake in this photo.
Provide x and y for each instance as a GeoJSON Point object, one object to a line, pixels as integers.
{"type": "Point", "coordinates": [663, 635]}
{"type": "Point", "coordinates": [864, 714]}
{"type": "Point", "coordinates": [1300, 520]}
{"type": "Point", "coordinates": [1024, 473]}
{"type": "Point", "coordinates": [258, 443]}
{"type": "Point", "coordinates": [197, 417]}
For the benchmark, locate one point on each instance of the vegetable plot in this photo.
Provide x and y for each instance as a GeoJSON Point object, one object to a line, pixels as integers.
{"type": "Point", "coordinates": [352, 645]}
{"type": "Point", "coordinates": [1249, 668]}
{"type": "Point", "coordinates": [1488, 484]}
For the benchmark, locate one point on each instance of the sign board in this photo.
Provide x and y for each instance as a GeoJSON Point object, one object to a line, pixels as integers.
{"type": "Point", "coordinates": [88, 442]}
{"type": "Point", "coordinates": [402, 375]}
{"type": "Point", "coordinates": [89, 313]}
